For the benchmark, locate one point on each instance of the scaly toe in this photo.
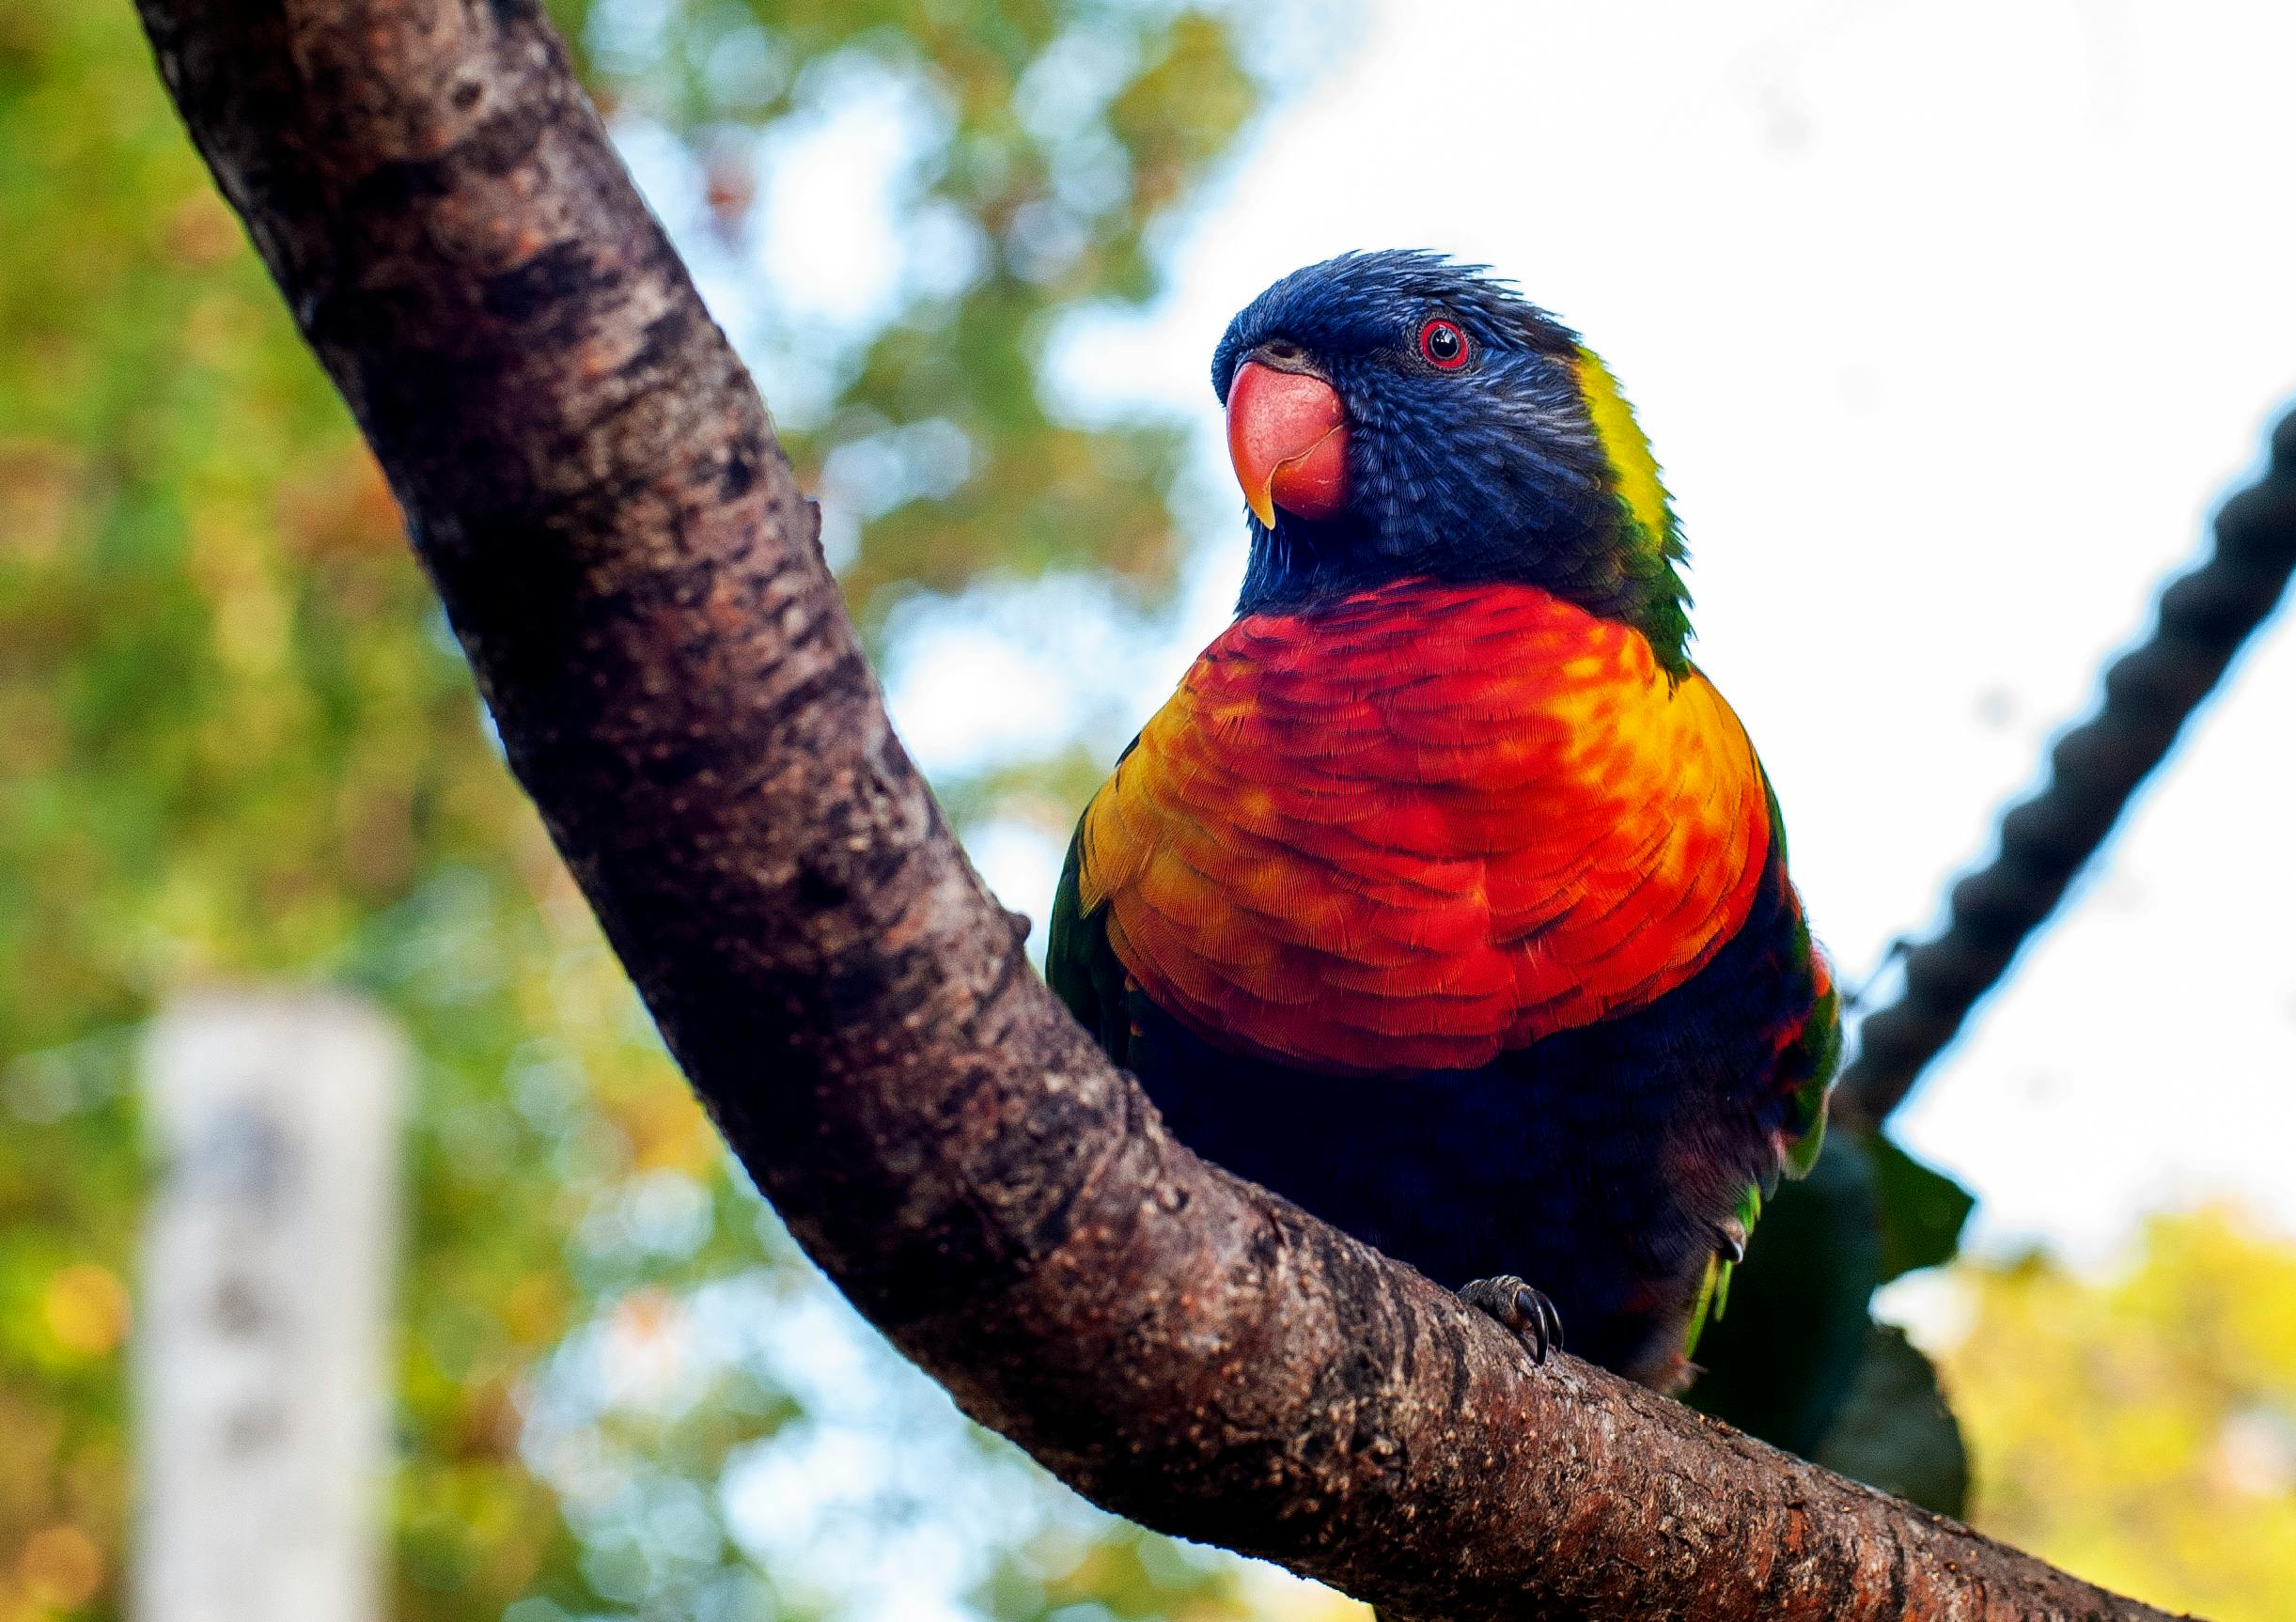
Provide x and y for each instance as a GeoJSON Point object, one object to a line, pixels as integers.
{"type": "Point", "coordinates": [1528, 1312]}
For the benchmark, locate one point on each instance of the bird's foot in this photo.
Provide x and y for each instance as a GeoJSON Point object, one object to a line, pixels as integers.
{"type": "Point", "coordinates": [1525, 1310]}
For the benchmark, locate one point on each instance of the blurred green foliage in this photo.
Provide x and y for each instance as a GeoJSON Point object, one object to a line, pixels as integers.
{"type": "Point", "coordinates": [239, 745]}
{"type": "Point", "coordinates": [1055, 133]}
{"type": "Point", "coordinates": [2140, 1429]}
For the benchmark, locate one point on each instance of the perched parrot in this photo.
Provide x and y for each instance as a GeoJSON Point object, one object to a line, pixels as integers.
{"type": "Point", "coordinates": [1447, 897]}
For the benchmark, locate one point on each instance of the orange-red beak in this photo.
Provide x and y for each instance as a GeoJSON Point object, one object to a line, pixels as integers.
{"type": "Point", "coordinates": [1287, 436]}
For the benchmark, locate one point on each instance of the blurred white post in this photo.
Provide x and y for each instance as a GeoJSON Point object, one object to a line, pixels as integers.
{"type": "Point", "coordinates": [264, 1348]}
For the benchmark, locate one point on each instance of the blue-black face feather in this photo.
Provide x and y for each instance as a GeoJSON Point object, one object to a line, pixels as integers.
{"type": "Point", "coordinates": [1491, 471]}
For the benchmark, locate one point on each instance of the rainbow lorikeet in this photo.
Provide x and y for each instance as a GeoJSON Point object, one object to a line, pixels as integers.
{"type": "Point", "coordinates": [1447, 897]}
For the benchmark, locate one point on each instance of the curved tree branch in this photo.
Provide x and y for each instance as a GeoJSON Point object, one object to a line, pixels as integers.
{"type": "Point", "coordinates": [594, 485]}
{"type": "Point", "coordinates": [2204, 618]}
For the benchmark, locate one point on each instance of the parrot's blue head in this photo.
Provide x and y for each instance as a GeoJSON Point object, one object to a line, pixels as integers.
{"type": "Point", "coordinates": [1393, 414]}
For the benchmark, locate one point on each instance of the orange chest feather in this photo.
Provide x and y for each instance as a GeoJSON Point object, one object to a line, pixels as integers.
{"type": "Point", "coordinates": [1422, 827]}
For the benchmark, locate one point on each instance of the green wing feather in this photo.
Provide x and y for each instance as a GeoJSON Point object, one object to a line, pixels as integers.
{"type": "Point", "coordinates": [1816, 1050]}
{"type": "Point", "coordinates": [1079, 961]}
{"type": "Point", "coordinates": [1808, 1061]}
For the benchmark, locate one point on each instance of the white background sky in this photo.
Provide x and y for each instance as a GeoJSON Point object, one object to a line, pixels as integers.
{"type": "Point", "coordinates": [1950, 322]}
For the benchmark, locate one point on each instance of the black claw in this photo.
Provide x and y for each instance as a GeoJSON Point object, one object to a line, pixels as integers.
{"type": "Point", "coordinates": [1528, 1312]}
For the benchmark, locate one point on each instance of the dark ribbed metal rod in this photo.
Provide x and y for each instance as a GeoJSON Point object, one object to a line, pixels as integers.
{"type": "Point", "coordinates": [2204, 618]}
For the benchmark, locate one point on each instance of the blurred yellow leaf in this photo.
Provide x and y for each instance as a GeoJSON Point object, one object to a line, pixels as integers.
{"type": "Point", "coordinates": [61, 1566]}
{"type": "Point", "coordinates": [2140, 1429]}
{"type": "Point", "coordinates": [85, 1308]}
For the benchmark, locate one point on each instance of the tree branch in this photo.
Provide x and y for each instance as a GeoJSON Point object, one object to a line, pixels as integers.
{"type": "Point", "coordinates": [594, 485]}
{"type": "Point", "coordinates": [2204, 618]}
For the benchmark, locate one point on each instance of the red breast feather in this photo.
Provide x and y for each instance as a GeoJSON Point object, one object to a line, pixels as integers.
{"type": "Point", "coordinates": [1424, 826]}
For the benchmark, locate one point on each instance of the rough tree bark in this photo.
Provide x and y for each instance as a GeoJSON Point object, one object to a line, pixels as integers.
{"type": "Point", "coordinates": [594, 485]}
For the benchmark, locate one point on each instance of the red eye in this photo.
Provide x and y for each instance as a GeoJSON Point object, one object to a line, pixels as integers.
{"type": "Point", "coordinates": [1443, 344]}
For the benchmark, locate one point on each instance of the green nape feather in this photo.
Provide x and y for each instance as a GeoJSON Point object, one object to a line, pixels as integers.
{"type": "Point", "coordinates": [1654, 536]}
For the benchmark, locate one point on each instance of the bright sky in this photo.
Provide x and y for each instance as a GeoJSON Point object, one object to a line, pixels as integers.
{"type": "Point", "coordinates": [1949, 322]}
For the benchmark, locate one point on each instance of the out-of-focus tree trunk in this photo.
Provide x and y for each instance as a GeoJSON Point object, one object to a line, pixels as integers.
{"type": "Point", "coordinates": [262, 1349]}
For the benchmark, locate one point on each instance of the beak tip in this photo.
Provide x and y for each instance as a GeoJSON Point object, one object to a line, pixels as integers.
{"type": "Point", "coordinates": [1286, 437]}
